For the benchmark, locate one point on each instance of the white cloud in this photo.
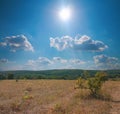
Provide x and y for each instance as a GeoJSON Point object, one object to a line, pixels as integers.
{"type": "Point", "coordinates": [54, 63]}
{"type": "Point", "coordinates": [3, 60]}
{"type": "Point", "coordinates": [3, 44]}
{"type": "Point", "coordinates": [83, 43]}
{"type": "Point", "coordinates": [76, 61]}
{"type": "Point", "coordinates": [40, 63]}
{"type": "Point", "coordinates": [59, 60]}
{"type": "Point", "coordinates": [31, 62]}
{"type": "Point", "coordinates": [18, 42]}
{"type": "Point", "coordinates": [43, 61]}
{"type": "Point", "coordinates": [61, 43]}
{"type": "Point", "coordinates": [10, 65]}
{"type": "Point", "coordinates": [106, 62]}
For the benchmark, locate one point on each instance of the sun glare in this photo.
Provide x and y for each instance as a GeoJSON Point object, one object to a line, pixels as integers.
{"type": "Point", "coordinates": [65, 14]}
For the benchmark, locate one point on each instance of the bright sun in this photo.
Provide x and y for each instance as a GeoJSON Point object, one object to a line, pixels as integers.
{"type": "Point", "coordinates": [65, 14]}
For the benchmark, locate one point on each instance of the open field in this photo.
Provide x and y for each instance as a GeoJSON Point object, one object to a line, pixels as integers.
{"type": "Point", "coordinates": [55, 97]}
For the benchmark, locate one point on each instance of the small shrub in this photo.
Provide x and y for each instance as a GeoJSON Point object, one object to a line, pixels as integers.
{"type": "Point", "coordinates": [82, 94]}
{"type": "Point", "coordinates": [16, 80]}
{"type": "Point", "coordinates": [81, 83]}
{"type": "Point", "coordinates": [94, 84]}
{"type": "Point", "coordinates": [27, 96]}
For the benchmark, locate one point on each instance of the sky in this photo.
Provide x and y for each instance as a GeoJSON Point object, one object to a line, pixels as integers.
{"type": "Point", "coordinates": [33, 36]}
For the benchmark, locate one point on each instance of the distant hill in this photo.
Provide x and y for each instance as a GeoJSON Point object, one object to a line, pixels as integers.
{"type": "Point", "coordinates": [57, 74]}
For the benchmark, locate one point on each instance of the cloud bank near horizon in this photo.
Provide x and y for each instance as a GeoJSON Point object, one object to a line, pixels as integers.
{"type": "Point", "coordinates": [106, 62]}
{"type": "Point", "coordinates": [54, 63]}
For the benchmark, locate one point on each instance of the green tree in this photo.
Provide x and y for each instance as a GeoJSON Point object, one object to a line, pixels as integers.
{"type": "Point", "coordinates": [85, 74]}
{"type": "Point", "coordinates": [1, 77]}
{"type": "Point", "coordinates": [10, 76]}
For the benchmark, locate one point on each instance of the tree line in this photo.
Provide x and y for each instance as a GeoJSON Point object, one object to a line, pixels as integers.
{"type": "Point", "coordinates": [55, 74]}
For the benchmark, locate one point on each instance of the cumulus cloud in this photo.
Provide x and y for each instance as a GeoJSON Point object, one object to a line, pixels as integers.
{"type": "Point", "coordinates": [76, 61]}
{"type": "Point", "coordinates": [83, 43]}
{"type": "Point", "coordinates": [39, 63]}
{"type": "Point", "coordinates": [3, 60]}
{"type": "Point", "coordinates": [61, 43]}
{"type": "Point", "coordinates": [106, 62]}
{"type": "Point", "coordinates": [59, 60]}
{"type": "Point", "coordinates": [54, 63]}
{"type": "Point", "coordinates": [43, 61]}
{"type": "Point", "coordinates": [3, 44]}
{"type": "Point", "coordinates": [18, 42]}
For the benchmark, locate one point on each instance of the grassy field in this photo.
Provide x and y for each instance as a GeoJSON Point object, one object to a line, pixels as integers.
{"type": "Point", "coordinates": [55, 97]}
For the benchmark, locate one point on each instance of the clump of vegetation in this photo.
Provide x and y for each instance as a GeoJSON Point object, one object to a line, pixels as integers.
{"type": "Point", "coordinates": [80, 83]}
{"type": "Point", "coordinates": [94, 84]}
{"type": "Point", "coordinates": [27, 96]}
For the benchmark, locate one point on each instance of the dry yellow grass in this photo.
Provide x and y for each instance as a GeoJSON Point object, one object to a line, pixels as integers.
{"type": "Point", "coordinates": [55, 97]}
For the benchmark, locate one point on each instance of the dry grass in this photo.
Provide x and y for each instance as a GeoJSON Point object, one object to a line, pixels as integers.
{"type": "Point", "coordinates": [55, 97]}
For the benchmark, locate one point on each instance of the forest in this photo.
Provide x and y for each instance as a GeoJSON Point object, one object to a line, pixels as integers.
{"type": "Point", "coordinates": [66, 74]}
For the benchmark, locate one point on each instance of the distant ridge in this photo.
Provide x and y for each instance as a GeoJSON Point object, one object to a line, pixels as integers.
{"type": "Point", "coordinates": [58, 73]}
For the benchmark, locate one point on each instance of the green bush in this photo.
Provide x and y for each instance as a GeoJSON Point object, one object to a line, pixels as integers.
{"type": "Point", "coordinates": [94, 84]}
{"type": "Point", "coordinates": [80, 83]}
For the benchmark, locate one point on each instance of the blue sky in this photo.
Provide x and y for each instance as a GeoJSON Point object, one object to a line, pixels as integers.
{"type": "Point", "coordinates": [33, 36]}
